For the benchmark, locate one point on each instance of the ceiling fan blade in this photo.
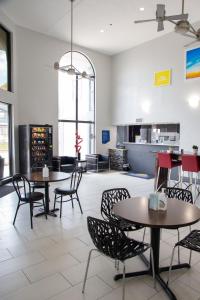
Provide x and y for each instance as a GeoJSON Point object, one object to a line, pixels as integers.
{"type": "Point", "coordinates": [144, 21]}
{"type": "Point", "coordinates": [160, 12]}
{"type": "Point", "coordinates": [190, 44]}
{"type": "Point", "coordinates": [192, 29]}
{"type": "Point", "coordinates": [160, 26]}
{"type": "Point", "coordinates": [177, 17]}
{"type": "Point", "coordinates": [189, 35]}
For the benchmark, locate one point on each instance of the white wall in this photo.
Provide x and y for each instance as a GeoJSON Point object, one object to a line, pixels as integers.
{"type": "Point", "coordinates": [11, 97]}
{"type": "Point", "coordinates": [132, 86]}
{"type": "Point", "coordinates": [38, 82]}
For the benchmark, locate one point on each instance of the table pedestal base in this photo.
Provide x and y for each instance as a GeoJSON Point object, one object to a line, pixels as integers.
{"type": "Point", "coordinates": [163, 284]}
{"type": "Point", "coordinates": [49, 213]}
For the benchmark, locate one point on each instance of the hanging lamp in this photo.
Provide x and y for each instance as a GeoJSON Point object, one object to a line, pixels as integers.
{"type": "Point", "coordinates": [71, 69]}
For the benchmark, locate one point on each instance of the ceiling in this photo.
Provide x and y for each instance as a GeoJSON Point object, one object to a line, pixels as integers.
{"type": "Point", "coordinates": [52, 17]}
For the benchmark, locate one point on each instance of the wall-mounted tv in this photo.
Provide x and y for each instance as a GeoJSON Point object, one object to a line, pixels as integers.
{"type": "Point", "coordinates": [5, 59]}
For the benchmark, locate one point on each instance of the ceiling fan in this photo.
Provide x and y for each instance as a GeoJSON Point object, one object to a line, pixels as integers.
{"type": "Point", "coordinates": [161, 17]}
{"type": "Point", "coordinates": [194, 35]}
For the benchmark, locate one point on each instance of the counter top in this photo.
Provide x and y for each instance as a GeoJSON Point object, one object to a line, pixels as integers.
{"type": "Point", "coordinates": [151, 144]}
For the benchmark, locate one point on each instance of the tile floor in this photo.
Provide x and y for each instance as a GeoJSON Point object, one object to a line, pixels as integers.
{"type": "Point", "coordinates": [49, 261]}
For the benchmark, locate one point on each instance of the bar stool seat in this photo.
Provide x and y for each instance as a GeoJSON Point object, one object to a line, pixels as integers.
{"type": "Point", "coordinates": [166, 161]}
{"type": "Point", "coordinates": [191, 164]}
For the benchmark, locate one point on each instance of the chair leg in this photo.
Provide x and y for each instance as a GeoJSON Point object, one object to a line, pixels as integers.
{"type": "Point", "coordinates": [61, 206]}
{"type": "Point", "coordinates": [195, 188]}
{"type": "Point", "coordinates": [170, 268]}
{"type": "Point", "coordinates": [157, 179]}
{"type": "Point", "coordinates": [179, 258]}
{"type": "Point", "coordinates": [72, 201]}
{"type": "Point", "coordinates": [144, 234]}
{"type": "Point", "coordinates": [190, 180]}
{"type": "Point", "coordinates": [190, 258]}
{"type": "Point", "coordinates": [117, 264]}
{"type": "Point", "coordinates": [153, 269]}
{"type": "Point", "coordinates": [54, 205]}
{"type": "Point", "coordinates": [86, 271]}
{"type": "Point", "coordinates": [79, 203]}
{"type": "Point", "coordinates": [182, 177]}
{"type": "Point", "coordinates": [31, 214]}
{"type": "Point", "coordinates": [169, 176]}
{"type": "Point", "coordinates": [123, 287]}
{"type": "Point", "coordinates": [18, 205]}
{"type": "Point", "coordinates": [179, 175]}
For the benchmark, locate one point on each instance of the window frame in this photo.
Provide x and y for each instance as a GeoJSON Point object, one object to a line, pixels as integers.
{"type": "Point", "coordinates": [77, 121]}
{"type": "Point", "coordinates": [8, 52]}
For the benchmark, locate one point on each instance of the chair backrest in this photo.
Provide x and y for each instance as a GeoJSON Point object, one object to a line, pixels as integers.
{"type": "Point", "coordinates": [76, 179]}
{"type": "Point", "coordinates": [106, 237]}
{"type": "Point", "coordinates": [165, 160]}
{"type": "Point", "coordinates": [109, 198]}
{"type": "Point", "coordinates": [190, 163]}
{"type": "Point", "coordinates": [21, 185]}
{"type": "Point", "coordinates": [180, 194]}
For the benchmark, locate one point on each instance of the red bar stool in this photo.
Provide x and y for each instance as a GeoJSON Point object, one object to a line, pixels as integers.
{"type": "Point", "coordinates": [191, 164]}
{"type": "Point", "coordinates": [166, 161]}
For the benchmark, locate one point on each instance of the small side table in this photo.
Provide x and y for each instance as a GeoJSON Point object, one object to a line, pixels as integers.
{"type": "Point", "coordinates": [81, 164]}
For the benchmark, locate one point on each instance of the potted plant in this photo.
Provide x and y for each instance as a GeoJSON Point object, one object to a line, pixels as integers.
{"type": "Point", "coordinates": [195, 149]}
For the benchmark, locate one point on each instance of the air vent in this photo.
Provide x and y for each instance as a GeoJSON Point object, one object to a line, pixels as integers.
{"type": "Point", "coordinates": [139, 120]}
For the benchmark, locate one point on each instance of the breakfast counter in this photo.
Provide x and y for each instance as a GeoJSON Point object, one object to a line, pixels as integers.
{"type": "Point", "coordinates": [142, 158]}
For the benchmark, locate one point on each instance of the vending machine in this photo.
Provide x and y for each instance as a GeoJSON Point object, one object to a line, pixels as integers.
{"type": "Point", "coordinates": [35, 147]}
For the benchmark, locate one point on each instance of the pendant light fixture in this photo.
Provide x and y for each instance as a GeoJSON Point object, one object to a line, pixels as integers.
{"type": "Point", "coordinates": [71, 69]}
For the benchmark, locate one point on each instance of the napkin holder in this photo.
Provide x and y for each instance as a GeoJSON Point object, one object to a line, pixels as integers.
{"type": "Point", "coordinates": [153, 201]}
{"type": "Point", "coordinates": [158, 201]}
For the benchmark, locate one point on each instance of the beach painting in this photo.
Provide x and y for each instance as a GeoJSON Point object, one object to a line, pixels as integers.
{"type": "Point", "coordinates": [193, 63]}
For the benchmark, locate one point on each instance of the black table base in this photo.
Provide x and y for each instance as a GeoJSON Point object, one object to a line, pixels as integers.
{"type": "Point", "coordinates": [49, 213]}
{"type": "Point", "coordinates": [163, 284]}
{"type": "Point", "coordinates": [155, 242]}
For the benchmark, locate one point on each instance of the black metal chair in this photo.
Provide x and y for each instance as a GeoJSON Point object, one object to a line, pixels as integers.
{"type": "Point", "coordinates": [109, 199]}
{"type": "Point", "coordinates": [37, 185]}
{"type": "Point", "coordinates": [180, 194]}
{"type": "Point", "coordinates": [191, 242]}
{"type": "Point", "coordinates": [23, 189]}
{"type": "Point", "coordinates": [111, 241]}
{"type": "Point", "coordinates": [183, 195]}
{"type": "Point", "coordinates": [72, 192]}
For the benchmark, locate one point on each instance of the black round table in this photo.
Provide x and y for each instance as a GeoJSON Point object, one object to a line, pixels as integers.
{"type": "Point", "coordinates": [53, 177]}
{"type": "Point", "coordinates": [178, 214]}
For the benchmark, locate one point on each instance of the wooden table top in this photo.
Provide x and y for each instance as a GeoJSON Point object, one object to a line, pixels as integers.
{"type": "Point", "coordinates": [53, 176]}
{"type": "Point", "coordinates": [178, 214]}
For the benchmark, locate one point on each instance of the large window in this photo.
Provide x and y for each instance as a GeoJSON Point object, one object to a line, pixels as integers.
{"type": "Point", "coordinates": [5, 60]}
{"type": "Point", "coordinates": [5, 140]}
{"type": "Point", "coordinates": [76, 107]}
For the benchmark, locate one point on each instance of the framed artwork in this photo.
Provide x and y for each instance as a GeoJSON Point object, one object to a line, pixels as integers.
{"type": "Point", "coordinates": [5, 60]}
{"type": "Point", "coordinates": [192, 63]}
{"type": "Point", "coordinates": [105, 136]}
{"type": "Point", "coordinates": [162, 78]}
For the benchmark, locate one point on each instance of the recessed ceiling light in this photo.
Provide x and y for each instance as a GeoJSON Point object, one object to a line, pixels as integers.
{"type": "Point", "coordinates": [102, 30]}
{"type": "Point", "coordinates": [141, 8]}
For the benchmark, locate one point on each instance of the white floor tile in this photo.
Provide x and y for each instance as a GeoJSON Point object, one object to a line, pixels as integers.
{"type": "Point", "coordinates": [4, 255]}
{"type": "Point", "coordinates": [12, 282]}
{"type": "Point", "coordinates": [49, 267]}
{"type": "Point", "coordinates": [15, 264]}
{"type": "Point", "coordinates": [44, 289]}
